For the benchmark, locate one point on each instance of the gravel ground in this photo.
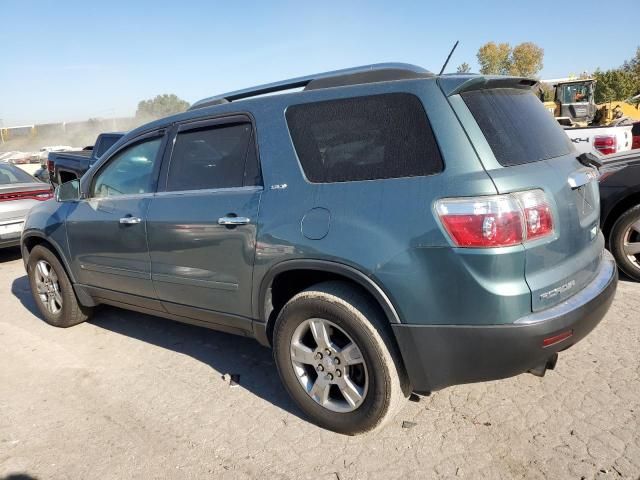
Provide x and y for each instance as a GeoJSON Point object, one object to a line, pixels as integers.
{"type": "Point", "coordinates": [134, 396]}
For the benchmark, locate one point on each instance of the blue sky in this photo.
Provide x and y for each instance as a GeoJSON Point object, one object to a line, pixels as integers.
{"type": "Point", "coordinates": [71, 60]}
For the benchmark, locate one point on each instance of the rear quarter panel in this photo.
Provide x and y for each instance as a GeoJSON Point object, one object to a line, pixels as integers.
{"type": "Point", "coordinates": [385, 228]}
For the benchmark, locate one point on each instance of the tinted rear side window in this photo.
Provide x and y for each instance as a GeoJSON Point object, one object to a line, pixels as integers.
{"type": "Point", "coordinates": [517, 126]}
{"type": "Point", "coordinates": [364, 138]}
{"type": "Point", "coordinates": [213, 157]}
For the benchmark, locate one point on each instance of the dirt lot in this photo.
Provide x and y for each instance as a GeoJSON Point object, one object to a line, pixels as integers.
{"type": "Point", "coordinates": [134, 396]}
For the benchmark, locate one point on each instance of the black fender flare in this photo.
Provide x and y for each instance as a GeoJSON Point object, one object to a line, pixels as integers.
{"type": "Point", "coordinates": [262, 300]}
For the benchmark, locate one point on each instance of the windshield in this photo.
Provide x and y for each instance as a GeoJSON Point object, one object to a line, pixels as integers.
{"type": "Point", "coordinates": [10, 175]}
{"type": "Point", "coordinates": [574, 93]}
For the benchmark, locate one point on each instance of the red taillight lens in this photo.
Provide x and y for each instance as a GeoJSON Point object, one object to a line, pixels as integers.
{"type": "Point", "coordinates": [493, 221]}
{"type": "Point", "coordinates": [538, 218]}
{"type": "Point", "coordinates": [50, 166]}
{"type": "Point", "coordinates": [606, 145]}
{"type": "Point", "coordinates": [497, 220]}
{"type": "Point", "coordinates": [41, 195]}
{"type": "Point", "coordinates": [487, 230]}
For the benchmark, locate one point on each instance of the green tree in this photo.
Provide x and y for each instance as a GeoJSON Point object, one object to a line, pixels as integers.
{"type": "Point", "coordinates": [615, 85]}
{"type": "Point", "coordinates": [161, 106]}
{"type": "Point", "coordinates": [464, 68]}
{"type": "Point", "coordinates": [633, 66]}
{"type": "Point", "coordinates": [494, 58]}
{"type": "Point", "coordinates": [619, 84]}
{"type": "Point", "coordinates": [526, 60]}
{"type": "Point", "coordinates": [548, 92]}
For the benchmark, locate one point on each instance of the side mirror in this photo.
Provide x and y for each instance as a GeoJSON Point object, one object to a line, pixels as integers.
{"type": "Point", "coordinates": [68, 191]}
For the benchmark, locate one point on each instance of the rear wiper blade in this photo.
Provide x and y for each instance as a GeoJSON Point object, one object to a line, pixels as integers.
{"type": "Point", "coordinates": [589, 160]}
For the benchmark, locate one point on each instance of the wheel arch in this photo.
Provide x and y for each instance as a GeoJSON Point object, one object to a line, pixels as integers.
{"type": "Point", "coordinates": [311, 272]}
{"type": "Point", "coordinates": [617, 210]}
{"type": "Point", "coordinates": [33, 239]}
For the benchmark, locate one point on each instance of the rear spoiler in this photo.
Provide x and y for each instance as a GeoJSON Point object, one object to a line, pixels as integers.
{"type": "Point", "coordinates": [456, 84]}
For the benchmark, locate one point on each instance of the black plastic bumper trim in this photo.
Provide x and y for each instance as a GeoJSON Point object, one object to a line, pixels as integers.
{"type": "Point", "coordinates": [438, 356]}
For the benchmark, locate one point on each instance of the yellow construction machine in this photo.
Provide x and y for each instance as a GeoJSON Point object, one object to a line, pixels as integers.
{"type": "Point", "coordinates": [574, 105]}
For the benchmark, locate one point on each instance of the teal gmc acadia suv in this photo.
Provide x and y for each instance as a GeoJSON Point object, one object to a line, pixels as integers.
{"type": "Point", "coordinates": [384, 229]}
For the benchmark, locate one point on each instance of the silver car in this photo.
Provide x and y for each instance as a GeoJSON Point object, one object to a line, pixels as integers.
{"type": "Point", "coordinates": [19, 191]}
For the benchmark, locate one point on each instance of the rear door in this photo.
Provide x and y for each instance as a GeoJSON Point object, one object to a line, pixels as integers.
{"type": "Point", "coordinates": [202, 227]}
{"type": "Point", "coordinates": [522, 147]}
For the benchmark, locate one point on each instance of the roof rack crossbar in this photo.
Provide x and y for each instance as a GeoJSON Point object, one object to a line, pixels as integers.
{"type": "Point", "coordinates": [300, 82]}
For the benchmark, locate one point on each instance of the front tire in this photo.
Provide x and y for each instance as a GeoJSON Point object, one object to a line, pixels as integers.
{"type": "Point", "coordinates": [337, 360]}
{"type": "Point", "coordinates": [52, 290]}
{"type": "Point", "coordinates": [625, 242]}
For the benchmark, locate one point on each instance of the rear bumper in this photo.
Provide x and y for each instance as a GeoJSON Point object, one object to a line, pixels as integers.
{"type": "Point", "coordinates": [437, 356]}
{"type": "Point", "coordinates": [11, 239]}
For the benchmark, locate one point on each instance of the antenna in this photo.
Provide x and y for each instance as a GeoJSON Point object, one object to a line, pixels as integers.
{"type": "Point", "coordinates": [447, 60]}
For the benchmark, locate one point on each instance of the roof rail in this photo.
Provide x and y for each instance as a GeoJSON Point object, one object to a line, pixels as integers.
{"type": "Point", "coordinates": [378, 72]}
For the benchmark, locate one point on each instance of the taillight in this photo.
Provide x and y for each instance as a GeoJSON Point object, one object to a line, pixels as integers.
{"type": "Point", "coordinates": [493, 221]}
{"type": "Point", "coordinates": [50, 166]}
{"type": "Point", "coordinates": [606, 144]}
{"type": "Point", "coordinates": [43, 196]}
{"type": "Point", "coordinates": [538, 218]}
{"type": "Point", "coordinates": [496, 220]}
{"type": "Point", "coordinates": [40, 195]}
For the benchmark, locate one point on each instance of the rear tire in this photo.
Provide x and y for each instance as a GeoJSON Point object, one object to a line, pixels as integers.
{"type": "Point", "coordinates": [52, 290]}
{"type": "Point", "coordinates": [368, 384]}
{"type": "Point", "coordinates": [624, 239]}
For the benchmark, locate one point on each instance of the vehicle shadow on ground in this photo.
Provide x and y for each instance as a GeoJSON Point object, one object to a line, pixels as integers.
{"type": "Point", "coordinates": [9, 254]}
{"type": "Point", "coordinates": [624, 278]}
{"type": "Point", "coordinates": [224, 353]}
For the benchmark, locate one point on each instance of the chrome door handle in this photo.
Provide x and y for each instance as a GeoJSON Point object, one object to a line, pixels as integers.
{"type": "Point", "coordinates": [233, 221]}
{"type": "Point", "coordinates": [130, 220]}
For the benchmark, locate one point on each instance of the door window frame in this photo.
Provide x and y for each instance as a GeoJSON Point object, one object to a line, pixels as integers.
{"type": "Point", "coordinates": [159, 133]}
{"type": "Point", "coordinates": [200, 123]}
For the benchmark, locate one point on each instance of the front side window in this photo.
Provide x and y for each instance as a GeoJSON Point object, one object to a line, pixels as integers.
{"type": "Point", "coordinates": [215, 156]}
{"type": "Point", "coordinates": [129, 172]}
{"type": "Point", "coordinates": [364, 138]}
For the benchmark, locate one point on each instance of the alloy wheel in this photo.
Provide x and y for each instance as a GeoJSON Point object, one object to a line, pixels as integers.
{"type": "Point", "coordinates": [631, 243]}
{"type": "Point", "coordinates": [48, 286]}
{"type": "Point", "coordinates": [329, 365]}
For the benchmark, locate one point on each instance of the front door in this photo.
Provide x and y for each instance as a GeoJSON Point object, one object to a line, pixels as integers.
{"type": "Point", "coordinates": [202, 227]}
{"type": "Point", "coordinates": [106, 230]}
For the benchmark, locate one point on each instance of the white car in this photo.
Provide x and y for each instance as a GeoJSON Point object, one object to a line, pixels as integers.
{"type": "Point", "coordinates": [19, 192]}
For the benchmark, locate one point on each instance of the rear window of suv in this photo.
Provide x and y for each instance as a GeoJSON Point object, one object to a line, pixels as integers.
{"type": "Point", "coordinates": [364, 138]}
{"type": "Point", "coordinates": [517, 126]}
